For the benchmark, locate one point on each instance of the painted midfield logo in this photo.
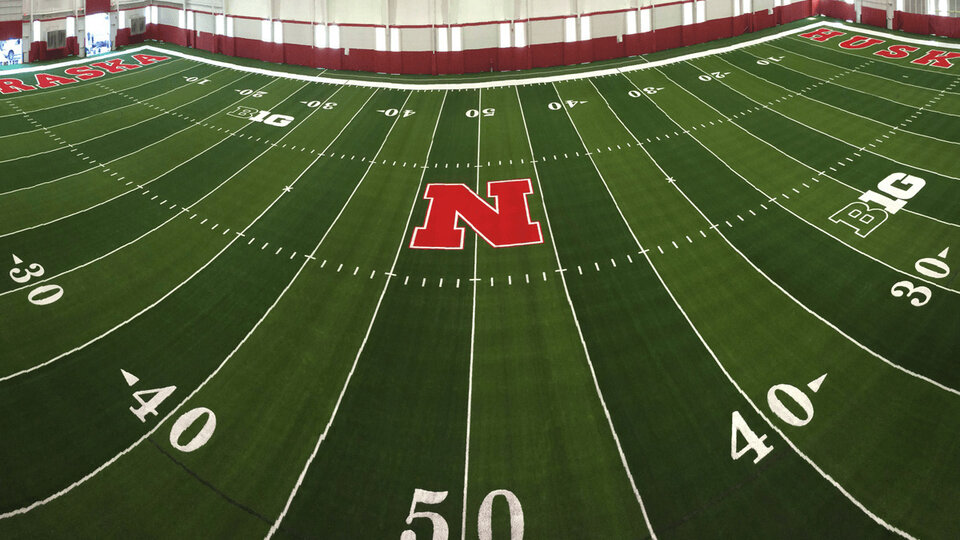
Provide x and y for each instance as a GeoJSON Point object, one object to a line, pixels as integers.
{"type": "Point", "coordinates": [506, 224]}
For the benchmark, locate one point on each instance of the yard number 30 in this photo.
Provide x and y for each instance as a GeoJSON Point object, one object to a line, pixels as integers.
{"type": "Point", "coordinates": [441, 531]}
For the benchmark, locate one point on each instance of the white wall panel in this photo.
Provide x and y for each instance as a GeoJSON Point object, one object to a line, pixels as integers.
{"type": "Point", "coordinates": [606, 25]}
{"type": "Point", "coordinates": [168, 16]}
{"type": "Point", "coordinates": [548, 31]}
{"type": "Point", "coordinates": [594, 6]}
{"type": "Point", "coordinates": [666, 17]}
{"type": "Point", "coordinates": [357, 37]}
{"type": "Point", "coordinates": [356, 12]}
{"type": "Point", "coordinates": [465, 11]}
{"type": "Point", "coordinates": [411, 12]}
{"type": "Point", "coordinates": [481, 36]}
{"type": "Point", "coordinates": [298, 34]}
{"type": "Point", "coordinates": [246, 28]}
{"type": "Point", "coordinates": [551, 8]}
{"type": "Point", "coordinates": [52, 7]}
{"type": "Point", "coordinates": [249, 8]}
{"type": "Point", "coordinates": [718, 9]}
{"type": "Point", "coordinates": [296, 10]}
{"type": "Point", "coordinates": [205, 23]}
{"type": "Point", "coordinates": [416, 39]}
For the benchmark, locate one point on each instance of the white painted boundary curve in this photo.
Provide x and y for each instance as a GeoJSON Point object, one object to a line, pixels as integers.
{"type": "Point", "coordinates": [500, 83]}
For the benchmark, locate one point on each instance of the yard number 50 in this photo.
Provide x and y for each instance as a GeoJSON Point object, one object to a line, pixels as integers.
{"type": "Point", "coordinates": [441, 531]}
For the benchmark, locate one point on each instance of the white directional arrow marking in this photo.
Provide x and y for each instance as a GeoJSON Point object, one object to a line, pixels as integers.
{"type": "Point", "coordinates": [131, 379]}
{"type": "Point", "coordinates": [815, 385]}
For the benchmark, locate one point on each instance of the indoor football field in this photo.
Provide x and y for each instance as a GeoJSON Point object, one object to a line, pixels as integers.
{"type": "Point", "coordinates": [706, 293]}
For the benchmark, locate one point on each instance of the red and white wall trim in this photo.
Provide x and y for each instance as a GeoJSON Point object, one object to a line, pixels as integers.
{"type": "Point", "coordinates": [476, 47]}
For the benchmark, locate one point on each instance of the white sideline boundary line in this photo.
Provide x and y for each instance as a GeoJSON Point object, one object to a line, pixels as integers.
{"type": "Point", "coordinates": [144, 235]}
{"type": "Point", "coordinates": [826, 476]}
{"type": "Point", "coordinates": [182, 283]}
{"type": "Point", "coordinates": [774, 283]}
{"type": "Point", "coordinates": [501, 83]}
{"type": "Point", "coordinates": [64, 491]}
{"type": "Point", "coordinates": [576, 320]}
{"type": "Point", "coordinates": [772, 199]}
{"type": "Point", "coordinates": [864, 149]}
{"type": "Point", "coordinates": [140, 149]}
{"type": "Point", "coordinates": [31, 111]}
{"type": "Point", "coordinates": [373, 319]}
{"type": "Point", "coordinates": [163, 112]}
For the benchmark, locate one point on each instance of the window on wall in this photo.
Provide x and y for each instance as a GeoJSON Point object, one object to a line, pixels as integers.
{"type": "Point", "coordinates": [265, 30]}
{"type": "Point", "coordinates": [688, 13]}
{"type": "Point", "coordinates": [395, 39]}
{"type": "Point", "coordinates": [520, 34]}
{"type": "Point", "coordinates": [570, 29]}
{"type": "Point", "coordinates": [930, 7]}
{"type": "Point", "coordinates": [442, 39]}
{"type": "Point", "coordinates": [333, 33]}
{"type": "Point", "coordinates": [701, 6]}
{"type": "Point", "coordinates": [899, 5]}
{"type": "Point", "coordinates": [277, 32]}
{"type": "Point", "coordinates": [181, 19]}
{"type": "Point", "coordinates": [218, 25]}
{"type": "Point", "coordinates": [36, 31]}
{"type": "Point", "coordinates": [736, 8]}
{"type": "Point", "coordinates": [381, 38]}
{"type": "Point", "coordinates": [320, 36]}
{"type": "Point", "coordinates": [229, 26]}
{"type": "Point", "coordinates": [71, 26]}
{"type": "Point", "coordinates": [456, 39]}
{"type": "Point", "coordinates": [631, 20]}
{"type": "Point", "coordinates": [645, 25]}
{"type": "Point", "coordinates": [504, 35]}
{"type": "Point", "coordinates": [122, 19]}
{"type": "Point", "coordinates": [944, 10]}
{"type": "Point", "coordinates": [748, 6]}
{"type": "Point", "coordinates": [585, 28]}
{"type": "Point", "coordinates": [191, 20]}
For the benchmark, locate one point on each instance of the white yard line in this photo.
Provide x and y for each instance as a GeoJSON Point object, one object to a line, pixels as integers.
{"type": "Point", "coordinates": [142, 236]}
{"type": "Point", "coordinates": [778, 203]}
{"type": "Point", "coordinates": [71, 487]}
{"type": "Point", "coordinates": [89, 139]}
{"type": "Point", "coordinates": [827, 477]}
{"type": "Point", "coordinates": [67, 103]}
{"type": "Point", "coordinates": [888, 158]}
{"type": "Point", "coordinates": [576, 320]}
{"type": "Point", "coordinates": [825, 81]}
{"type": "Point", "coordinates": [506, 82]}
{"type": "Point", "coordinates": [473, 335]}
{"type": "Point", "coordinates": [140, 149]}
{"type": "Point", "coordinates": [755, 267]}
{"type": "Point", "coordinates": [874, 75]}
{"type": "Point", "coordinates": [171, 291]}
{"type": "Point", "coordinates": [892, 36]}
{"type": "Point", "coordinates": [373, 318]}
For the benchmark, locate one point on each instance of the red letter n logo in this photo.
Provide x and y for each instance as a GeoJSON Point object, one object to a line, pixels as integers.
{"type": "Point", "coordinates": [505, 224]}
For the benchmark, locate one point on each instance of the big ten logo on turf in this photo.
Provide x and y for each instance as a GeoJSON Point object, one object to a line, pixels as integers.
{"type": "Point", "coordinates": [505, 224]}
{"type": "Point", "coordinates": [895, 189]}
{"type": "Point", "coordinates": [256, 115]}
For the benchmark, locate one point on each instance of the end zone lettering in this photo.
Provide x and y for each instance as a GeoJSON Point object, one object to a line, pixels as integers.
{"type": "Point", "coordinates": [81, 73]}
{"type": "Point", "coordinates": [933, 57]}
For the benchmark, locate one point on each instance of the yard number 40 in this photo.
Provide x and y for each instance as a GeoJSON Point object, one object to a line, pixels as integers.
{"type": "Point", "coordinates": [757, 443]}
{"type": "Point", "coordinates": [441, 531]}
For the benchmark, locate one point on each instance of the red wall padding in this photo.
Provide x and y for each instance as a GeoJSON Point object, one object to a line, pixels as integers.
{"type": "Point", "coordinates": [795, 12]}
{"type": "Point", "coordinates": [97, 6]}
{"type": "Point", "coordinates": [945, 26]}
{"type": "Point", "coordinates": [10, 30]}
{"type": "Point", "coordinates": [838, 9]}
{"type": "Point", "coordinates": [911, 22]}
{"type": "Point", "coordinates": [873, 16]}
